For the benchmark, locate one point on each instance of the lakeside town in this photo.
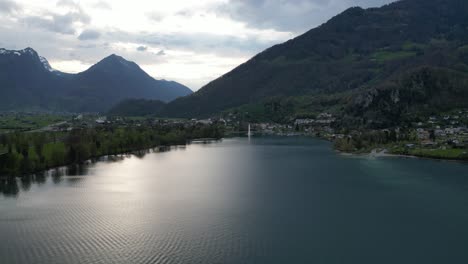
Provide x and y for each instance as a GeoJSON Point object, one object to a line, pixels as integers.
{"type": "Point", "coordinates": [438, 136]}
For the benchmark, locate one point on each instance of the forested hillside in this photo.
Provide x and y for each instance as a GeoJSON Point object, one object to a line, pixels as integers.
{"type": "Point", "coordinates": [404, 47]}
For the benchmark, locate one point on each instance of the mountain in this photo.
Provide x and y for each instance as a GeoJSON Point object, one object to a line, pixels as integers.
{"type": "Point", "coordinates": [28, 82]}
{"type": "Point", "coordinates": [137, 107]}
{"type": "Point", "coordinates": [355, 52]}
{"type": "Point", "coordinates": [25, 79]}
{"type": "Point", "coordinates": [114, 79]}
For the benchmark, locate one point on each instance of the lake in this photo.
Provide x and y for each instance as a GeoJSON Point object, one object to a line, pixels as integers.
{"type": "Point", "coordinates": [263, 200]}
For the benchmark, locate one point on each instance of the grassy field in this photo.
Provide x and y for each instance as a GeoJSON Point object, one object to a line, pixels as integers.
{"type": "Point", "coordinates": [385, 56]}
{"type": "Point", "coordinates": [449, 153]}
{"type": "Point", "coordinates": [440, 153]}
{"type": "Point", "coordinates": [10, 122]}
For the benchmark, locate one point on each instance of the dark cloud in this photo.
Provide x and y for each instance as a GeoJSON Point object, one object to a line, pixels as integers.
{"type": "Point", "coordinates": [289, 15]}
{"type": "Point", "coordinates": [8, 6]}
{"type": "Point", "coordinates": [89, 34]}
{"type": "Point", "coordinates": [142, 48]}
{"type": "Point", "coordinates": [61, 25]}
{"type": "Point", "coordinates": [161, 53]}
{"type": "Point", "coordinates": [64, 24]}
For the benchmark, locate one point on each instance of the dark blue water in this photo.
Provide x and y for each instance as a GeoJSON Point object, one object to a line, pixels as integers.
{"type": "Point", "coordinates": [267, 200]}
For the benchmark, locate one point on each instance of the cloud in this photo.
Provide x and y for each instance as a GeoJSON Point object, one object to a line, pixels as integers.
{"type": "Point", "coordinates": [102, 5]}
{"type": "Point", "coordinates": [222, 45]}
{"type": "Point", "coordinates": [64, 24]}
{"type": "Point", "coordinates": [145, 48]}
{"type": "Point", "coordinates": [68, 3]}
{"type": "Point", "coordinates": [155, 16]}
{"type": "Point", "coordinates": [186, 13]}
{"type": "Point", "coordinates": [89, 34]}
{"type": "Point", "coordinates": [57, 24]}
{"type": "Point", "coordinates": [87, 46]}
{"type": "Point", "coordinates": [8, 6]}
{"type": "Point", "coordinates": [142, 48]}
{"type": "Point", "coordinates": [289, 15]}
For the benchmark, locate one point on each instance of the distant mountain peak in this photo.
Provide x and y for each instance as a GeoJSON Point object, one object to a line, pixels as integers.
{"type": "Point", "coordinates": [116, 58]}
{"type": "Point", "coordinates": [28, 81]}
{"type": "Point", "coordinates": [116, 61]}
{"type": "Point", "coordinates": [28, 52]}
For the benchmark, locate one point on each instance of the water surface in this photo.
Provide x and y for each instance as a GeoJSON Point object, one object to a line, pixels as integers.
{"type": "Point", "coordinates": [264, 200]}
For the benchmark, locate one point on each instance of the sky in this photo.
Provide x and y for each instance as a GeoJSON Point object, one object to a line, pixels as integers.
{"type": "Point", "coordinates": [189, 41]}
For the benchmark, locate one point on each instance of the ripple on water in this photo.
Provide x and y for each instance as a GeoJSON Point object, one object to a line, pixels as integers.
{"type": "Point", "coordinates": [264, 201]}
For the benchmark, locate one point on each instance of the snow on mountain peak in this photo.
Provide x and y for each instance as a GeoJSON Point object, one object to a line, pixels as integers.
{"type": "Point", "coordinates": [30, 52]}
{"type": "Point", "coordinates": [46, 64]}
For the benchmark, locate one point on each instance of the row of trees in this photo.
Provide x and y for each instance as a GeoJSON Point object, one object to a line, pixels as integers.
{"type": "Point", "coordinates": [25, 153]}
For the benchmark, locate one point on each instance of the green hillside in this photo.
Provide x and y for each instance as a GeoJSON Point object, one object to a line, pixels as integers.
{"type": "Point", "coordinates": [405, 46]}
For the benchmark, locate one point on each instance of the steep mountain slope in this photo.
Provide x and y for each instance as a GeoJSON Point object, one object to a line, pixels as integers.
{"type": "Point", "coordinates": [28, 82]}
{"type": "Point", "coordinates": [114, 79]}
{"type": "Point", "coordinates": [357, 49]}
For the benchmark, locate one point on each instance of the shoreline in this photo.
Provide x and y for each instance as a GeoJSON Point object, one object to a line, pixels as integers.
{"type": "Point", "coordinates": [384, 152]}
{"type": "Point", "coordinates": [401, 156]}
{"type": "Point", "coordinates": [380, 152]}
{"type": "Point", "coordinates": [374, 153]}
{"type": "Point", "coordinates": [94, 159]}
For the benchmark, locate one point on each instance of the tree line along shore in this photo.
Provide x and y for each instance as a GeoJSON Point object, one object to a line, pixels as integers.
{"type": "Point", "coordinates": [23, 153]}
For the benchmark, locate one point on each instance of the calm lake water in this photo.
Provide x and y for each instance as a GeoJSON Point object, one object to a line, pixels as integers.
{"type": "Point", "coordinates": [267, 200]}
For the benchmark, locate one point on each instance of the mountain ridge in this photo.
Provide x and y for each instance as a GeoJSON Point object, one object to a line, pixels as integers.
{"type": "Point", "coordinates": [357, 49]}
{"type": "Point", "coordinates": [29, 82]}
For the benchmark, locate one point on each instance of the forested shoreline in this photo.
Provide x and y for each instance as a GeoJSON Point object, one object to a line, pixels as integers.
{"type": "Point", "coordinates": [23, 153]}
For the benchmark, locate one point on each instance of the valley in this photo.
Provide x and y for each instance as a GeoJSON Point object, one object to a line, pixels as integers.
{"type": "Point", "coordinates": [312, 132]}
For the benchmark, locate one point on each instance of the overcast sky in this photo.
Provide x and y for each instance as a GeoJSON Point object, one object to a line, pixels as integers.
{"type": "Point", "coordinates": [189, 41]}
